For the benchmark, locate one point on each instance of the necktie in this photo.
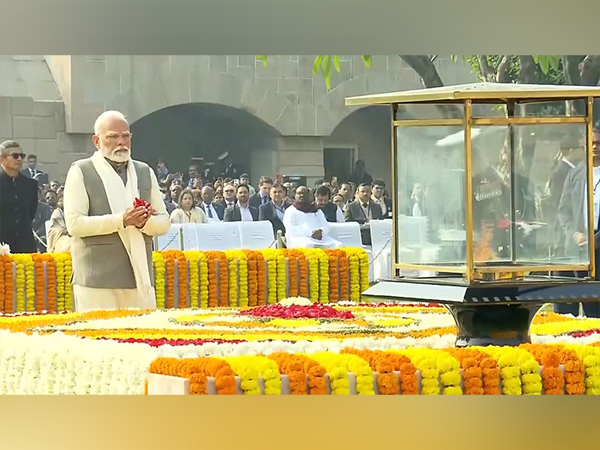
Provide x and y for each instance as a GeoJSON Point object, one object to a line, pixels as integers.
{"type": "Point", "coordinates": [264, 200]}
{"type": "Point", "coordinates": [209, 209]}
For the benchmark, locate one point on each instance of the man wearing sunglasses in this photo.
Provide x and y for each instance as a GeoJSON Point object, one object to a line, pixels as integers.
{"type": "Point", "coordinates": [18, 200]}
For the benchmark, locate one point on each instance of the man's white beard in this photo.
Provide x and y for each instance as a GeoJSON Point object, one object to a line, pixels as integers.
{"type": "Point", "coordinates": [120, 157]}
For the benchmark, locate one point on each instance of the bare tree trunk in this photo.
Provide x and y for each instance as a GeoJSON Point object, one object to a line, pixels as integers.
{"type": "Point", "coordinates": [430, 78]}
{"type": "Point", "coordinates": [573, 76]}
{"type": "Point", "coordinates": [527, 76]}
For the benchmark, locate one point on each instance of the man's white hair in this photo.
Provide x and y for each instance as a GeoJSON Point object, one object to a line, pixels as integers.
{"type": "Point", "coordinates": [106, 116]}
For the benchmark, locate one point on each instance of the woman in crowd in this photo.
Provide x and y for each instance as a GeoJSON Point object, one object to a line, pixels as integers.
{"type": "Point", "coordinates": [187, 211]}
{"type": "Point", "coordinates": [59, 240]}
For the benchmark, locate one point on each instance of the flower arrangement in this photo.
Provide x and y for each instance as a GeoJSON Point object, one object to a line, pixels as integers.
{"type": "Point", "coordinates": [159, 279]}
{"type": "Point", "coordinates": [193, 257]}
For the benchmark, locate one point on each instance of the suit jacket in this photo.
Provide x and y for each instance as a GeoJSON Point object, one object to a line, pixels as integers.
{"type": "Point", "coordinates": [218, 207]}
{"type": "Point", "coordinates": [42, 177]}
{"type": "Point", "coordinates": [571, 207]}
{"type": "Point", "coordinates": [556, 185]}
{"type": "Point", "coordinates": [330, 211]}
{"type": "Point", "coordinates": [233, 214]}
{"type": "Point", "coordinates": [354, 212]}
{"type": "Point", "coordinates": [255, 200]}
{"type": "Point", "coordinates": [268, 212]}
{"type": "Point", "coordinates": [18, 207]}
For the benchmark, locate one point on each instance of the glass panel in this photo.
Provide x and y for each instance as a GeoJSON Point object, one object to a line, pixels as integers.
{"type": "Point", "coordinates": [430, 186]}
{"type": "Point", "coordinates": [529, 197]}
{"type": "Point", "coordinates": [428, 111]}
{"type": "Point", "coordinates": [491, 194]}
{"type": "Point", "coordinates": [488, 110]}
{"type": "Point", "coordinates": [573, 108]}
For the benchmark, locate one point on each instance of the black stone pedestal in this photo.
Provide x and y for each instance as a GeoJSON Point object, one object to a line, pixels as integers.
{"type": "Point", "coordinates": [491, 313]}
{"type": "Point", "coordinates": [485, 324]}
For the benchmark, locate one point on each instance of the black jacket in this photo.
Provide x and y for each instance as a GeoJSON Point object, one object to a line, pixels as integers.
{"type": "Point", "coordinates": [268, 212]}
{"type": "Point", "coordinates": [18, 205]}
{"type": "Point", "coordinates": [233, 214]}
{"type": "Point", "coordinates": [330, 212]}
{"type": "Point", "coordinates": [255, 200]}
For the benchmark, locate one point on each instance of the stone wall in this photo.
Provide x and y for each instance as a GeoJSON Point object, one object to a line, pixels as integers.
{"type": "Point", "coordinates": [50, 102]}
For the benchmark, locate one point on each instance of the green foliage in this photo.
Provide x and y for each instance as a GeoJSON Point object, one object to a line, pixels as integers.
{"type": "Point", "coordinates": [549, 68]}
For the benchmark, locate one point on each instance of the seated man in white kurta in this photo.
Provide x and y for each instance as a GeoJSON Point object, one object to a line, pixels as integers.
{"type": "Point", "coordinates": [305, 224]}
{"type": "Point", "coordinates": [112, 241]}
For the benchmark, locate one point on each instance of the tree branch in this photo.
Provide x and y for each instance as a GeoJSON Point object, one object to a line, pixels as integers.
{"type": "Point", "coordinates": [502, 75]}
{"type": "Point", "coordinates": [527, 75]}
{"type": "Point", "coordinates": [430, 79]}
{"type": "Point", "coordinates": [487, 71]}
{"type": "Point", "coordinates": [590, 70]}
{"type": "Point", "coordinates": [571, 68]}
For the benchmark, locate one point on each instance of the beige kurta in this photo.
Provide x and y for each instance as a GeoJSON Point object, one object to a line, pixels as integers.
{"type": "Point", "coordinates": [76, 207]}
{"type": "Point", "coordinates": [196, 215]}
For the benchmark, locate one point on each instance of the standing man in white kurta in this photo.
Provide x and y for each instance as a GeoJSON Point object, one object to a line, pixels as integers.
{"type": "Point", "coordinates": [305, 224]}
{"type": "Point", "coordinates": [112, 240]}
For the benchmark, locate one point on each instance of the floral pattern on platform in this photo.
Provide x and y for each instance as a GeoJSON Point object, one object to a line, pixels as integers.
{"type": "Point", "coordinates": [336, 348]}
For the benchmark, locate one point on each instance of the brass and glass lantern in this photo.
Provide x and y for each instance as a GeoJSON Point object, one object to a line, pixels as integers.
{"type": "Point", "coordinates": [474, 225]}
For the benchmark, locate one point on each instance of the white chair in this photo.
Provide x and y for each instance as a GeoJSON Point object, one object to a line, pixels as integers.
{"type": "Point", "coordinates": [414, 243]}
{"type": "Point", "coordinates": [169, 241]}
{"type": "Point", "coordinates": [381, 239]}
{"type": "Point", "coordinates": [216, 236]}
{"type": "Point", "coordinates": [256, 235]}
{"type": "Point", "coordinates": [348, 233]}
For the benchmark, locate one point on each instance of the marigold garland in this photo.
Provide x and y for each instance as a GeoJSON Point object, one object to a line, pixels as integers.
{"type": "Point", "coordinates": [248, 371]}
{"type": "Point", "coordinates": [336, 368]}
{"type": "Point", "coordinates": [218, 283]}
{"type": "Point", "coordinates": [170, 285]}
{"type": "Point", "coordinates": [334, 281]}
{"type": "Point", "coordinates": [252, 277]}
{"type": "Point", "coordinates": [261, 277]}
{"type": "Point", "coordinates": [30, 283]}
{"type": "Point", "coordinates": [387, 383]}
{"type": "Point", "coordinates": [234, 279]}
{"type": "Point", "coordinates": [271, 274]}
{"type": "Point", "coordinates": [159, 279]}
{"type": "Point", "coordinates": [590, 357]}
{"type": "Point", "coordinates": [344, 272]}
{"type": "Point", "coordinates": [281, 277]}
{"type": "Point", "coordinates": [292, 259]}
{"type": "Point", "coordinates": [2, 286]}
{"type": "Point", "coordinates": [312, 258]}
{"type": "Point", "coordinates": [193, 257]}
{"type": "Point", "coordinates": [323, 276]}
{"type": "Point", "coordinates": [553, 379]}
{"type": "Point", "coordinates": [19, 260]}
{"type": "Point", "coordinates": [51, 283]}
{"type": "Point", "coordinates": [203, 279]}
{"type": "Point", "coordinates": [197, 370]}
{"type": "Point", "coordinates": [213, 282]}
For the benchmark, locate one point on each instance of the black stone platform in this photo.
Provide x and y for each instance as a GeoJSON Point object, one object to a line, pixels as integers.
{"type": "Point", "coordinates": [488, 313]}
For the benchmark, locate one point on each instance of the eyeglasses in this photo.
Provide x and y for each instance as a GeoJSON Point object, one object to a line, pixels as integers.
{"type": "Point", "coordinates": [18, 155]}
{"type": "Point", "coordinates": [124, 135]}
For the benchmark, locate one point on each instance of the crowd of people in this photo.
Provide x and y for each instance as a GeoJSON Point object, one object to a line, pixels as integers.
{"type": "Point", "coordinates": [300, 213]}
{"type": "Point", "coordinates": [200, 197]}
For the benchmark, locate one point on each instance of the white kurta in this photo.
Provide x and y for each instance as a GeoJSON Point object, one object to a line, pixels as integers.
{"type": "Point", "coordinates": [299, 226]}
{"type": "Point", "coordinates": [76, 207]}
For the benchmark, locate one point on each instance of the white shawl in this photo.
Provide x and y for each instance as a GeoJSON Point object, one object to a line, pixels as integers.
{"type": "Point", "coordinates": [120, 197]}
